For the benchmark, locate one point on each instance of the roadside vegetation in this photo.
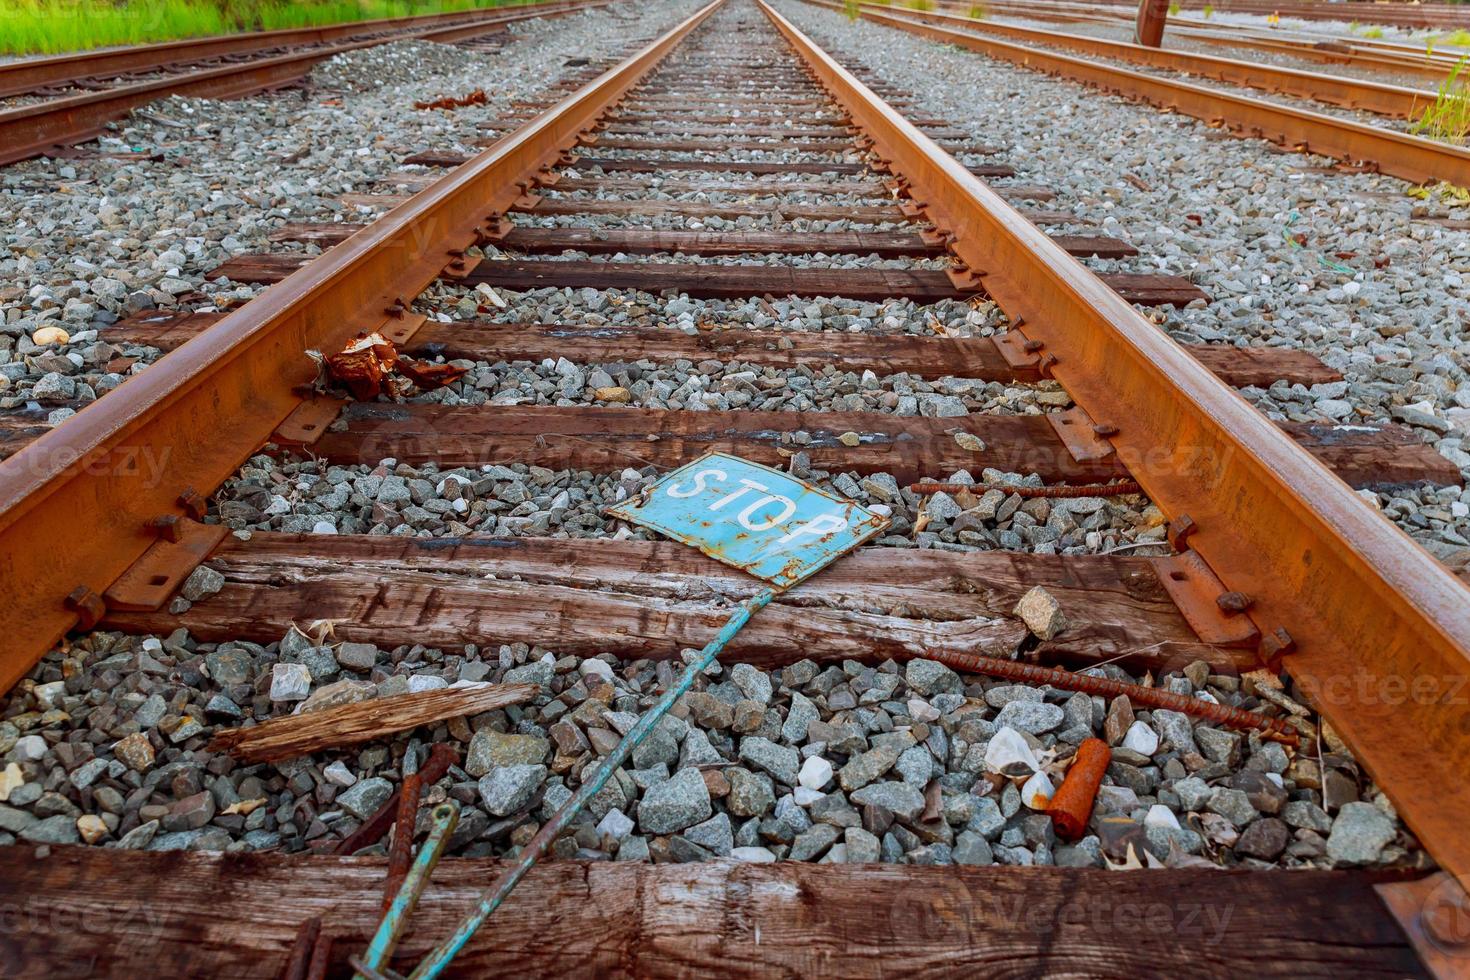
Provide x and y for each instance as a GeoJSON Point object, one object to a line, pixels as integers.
{"type": "Point", "coordinates": [1448, 118]}
{"type": "Point", "coordinates": [29, 27]}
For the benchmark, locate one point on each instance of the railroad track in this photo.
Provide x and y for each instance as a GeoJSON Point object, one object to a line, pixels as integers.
{"type": "Point", "coordinates": [54, 102]}
{"type": "Point", "coordinates": [1313, 47]}
{"type": "Point", "coordinates": [1273, 561]}
{"type": "Point", "coordinates": [1448, 16]}
{"type": "Point", "coordinates": [1390, 151]}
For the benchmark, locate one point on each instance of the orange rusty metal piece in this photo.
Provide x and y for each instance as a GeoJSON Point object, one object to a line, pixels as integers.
{"type": "Point", "coordinates": [1378, 631]}
{"type": "Point", "coordinates": [1071, 805]}
{"type": "Point", "coordinates": [363, 365]}
{"type": "Point", "coordinates": [73, 503]}
{"type": "Point", "coordinates": [477, 97]}
{"type": "Point", "coordinates": [1413, 158]}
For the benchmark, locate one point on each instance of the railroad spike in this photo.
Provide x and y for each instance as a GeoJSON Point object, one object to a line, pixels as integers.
{"type": "Point", "coordinates": [1180, 528]}
{"type": "Point", "coordinates": [88, 605]}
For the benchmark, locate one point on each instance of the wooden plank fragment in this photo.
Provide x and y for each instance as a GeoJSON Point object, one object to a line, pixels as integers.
{"type": "Point", "coordinates": [960, 357]}
{"type": "Point", "coordinates": [754, 168]}
{"type": "Point", "coordinates": [646, 241]}
{"type": "Point", "coordinates": [96, 912]}
{"type": "Point", "coordinates": [910, 448]}
{"type": "Point", "coordinates": [653, 598]}
{"type": "Point", "coordinates": [739, 282]}
{"type": "Point", "coordinates": [363, 721]}
{"type": "Point", "coordinates": [645, 208]}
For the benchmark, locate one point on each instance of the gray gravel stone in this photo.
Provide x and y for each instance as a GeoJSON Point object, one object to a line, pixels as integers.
{"type": "Point", "coordinates": [678, 802]}
{"type": "Point", "coordinates": [1359, 834]}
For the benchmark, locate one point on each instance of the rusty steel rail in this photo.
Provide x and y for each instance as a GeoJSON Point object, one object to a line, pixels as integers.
{"type": "Point", "coordinates": [32, 73]}
{"type": "Point", "coordinates": [1359, 613]}
{"type": "Point", "coordinates": [30, 130]}
{"type": "Point", "coordinates": [1356, 93]}
{"type": "Point", "coordinates": [1412, 158]}
{"type": "Point", "coordinates": [76, 505]}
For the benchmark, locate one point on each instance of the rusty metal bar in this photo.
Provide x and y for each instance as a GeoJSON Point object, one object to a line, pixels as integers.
{"type": "Point", "coordinates": [1148, 29]}
{"type": "Point", "coordinates": [1390, 100]}
{"type": "Point", "coordinates": [1411, 157]}
{"type": "Point", "coordinates": [75, 505]}
{"type": "Point", "coordinates": [1380, 630]}
{"type": "Point", "coordinates": [33, 73]}
{"type": "Point", "coordinates": [29, 130]}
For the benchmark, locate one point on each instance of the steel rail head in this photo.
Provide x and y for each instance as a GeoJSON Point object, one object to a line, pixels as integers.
{"type": "Point", "coordinates": [75, 505]}
{"type": "Point", "coordinates": [1413, 158]}
{"type": "Point", "coordinates": [1380, 631]}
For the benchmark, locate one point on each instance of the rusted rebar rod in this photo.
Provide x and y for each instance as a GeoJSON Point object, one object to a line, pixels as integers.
{"type": "Point", "coordinates": [1153, 697]}
{"type": "Point", "coordinates": [1115, 489]}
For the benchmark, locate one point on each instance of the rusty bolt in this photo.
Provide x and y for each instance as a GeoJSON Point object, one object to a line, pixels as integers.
{"type": "Point", "coordinates": [457, 253]}
{"type": "Point", "coordinates": [1105, 430]}
{"type": "Point", "coordinates": [395, 311]}
{"type": "Point", "coordinates": [1275, 645]}
{"type": "Point", "coordinates": [1048, 362]}
{"type": "Point", "coordinates": [88, 606]}
{"type": "Point", "coordinates": [1234, 602]}
{"type": "Point", "coordinates": [1033, 346]}
{"type": "Point", "coordinates": [193, 503]}
{"type": "Point", "coordinates": [168, 527]}
{"type": "Point", "coordinates": [1179, 530]}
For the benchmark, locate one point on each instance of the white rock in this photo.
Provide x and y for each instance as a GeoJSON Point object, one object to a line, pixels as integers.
{"type": "Point", "coordinates": [1160, 816]}
{"type": "Point", "coordinates": [425, 682]}
{"type": "Point", "coordinates": [592, 667]}
{"type": "Point", "coordinates": [921, 710]}
{"type": "Point", "coordinates": [1141, 738]}
{"type": "Point", "coordinates": [1008, 753]}
{"type": "Point", "coordinates": [816, 773]}
{"type": "Point", "coordinates": [1037, 791]}
{"type": "Point", "coordinates": [29, 748]}
{"type": "Point", "coordinates": [290, 682]}
{"type": "Point", "coordinates": [806, 797]}
{"type": "Point", "coordinates": [1041, 613]}
{"type": "Point", "coordinates": [338, 773]}
{"type": "Point", "coordinates": [616, 825]}
{"type": "Point", "coordinates": [753, 855]}
{"type": "Point", "coordinates": [11, 779]}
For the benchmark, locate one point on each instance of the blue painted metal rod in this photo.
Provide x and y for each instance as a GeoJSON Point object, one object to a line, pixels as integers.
{"type": "Point", "coordinates": [442, 955]}
{"type": "Point", "coordinates": [390, 930]}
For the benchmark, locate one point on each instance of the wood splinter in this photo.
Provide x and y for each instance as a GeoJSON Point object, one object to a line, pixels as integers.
{"type": "Point", "coordinates": [348, 724]}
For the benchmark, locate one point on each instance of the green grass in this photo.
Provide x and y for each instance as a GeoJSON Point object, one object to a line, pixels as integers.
{"type": "Point", "coordinates": [1209, 10]}
{"type": "Point", "coordinates": [924, 5]}
{"type": "Point", "coordinates": [850, 7]}
{"type": "Point", "coordinates": [1174, 9]}
{"type": "Point", "coordinates": [1454, 39]}
{"type": "Point", "coordinates": [1373, 33]}
{"type": "Point", "coordinates": [56, 26]}
{"type": "Point", "coordinates": [978, 11]}
{"type": "Point", "coordinates": [1448, 119]}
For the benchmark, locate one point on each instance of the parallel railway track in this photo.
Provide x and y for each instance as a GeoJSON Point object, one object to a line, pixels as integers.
{"type": "Point", "coordinates": [1355, 51]}
{"type": "Point", "coordinates": [1275, 560]}
{"type": "Point", "coordinates": [97, 87]}
{"type": "Point", "coordinates": [1390, 151]}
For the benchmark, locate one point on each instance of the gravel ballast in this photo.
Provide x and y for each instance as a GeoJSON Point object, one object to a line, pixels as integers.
{"type": "Point", "coordinates": [94, 239]}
